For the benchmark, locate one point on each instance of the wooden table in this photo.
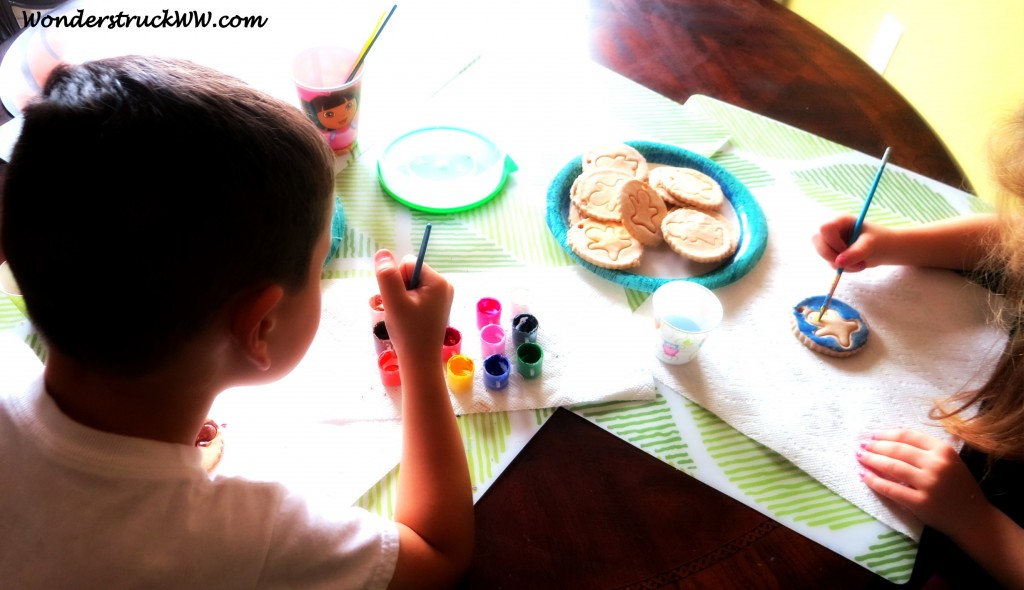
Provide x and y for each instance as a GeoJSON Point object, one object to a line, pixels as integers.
{"type": "Point", "coordinates": [579, 508]}
{"type": "Point", "coordinates": [591, 511]}
{"type": "Point", "coordinates": [761, 56]}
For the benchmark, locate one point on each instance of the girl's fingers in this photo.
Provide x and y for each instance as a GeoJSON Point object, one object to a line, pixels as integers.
{"type": "Point", "coordinates": [837, 231]}
{"type": "Point", "coordinates": [889, 467]}
{"type": "Point", "coordinates": [910, 437]}
{"type": "Point", "coordinates": [824, 249]}
{"type": "Point", "coordinates": [908, 446]}
{"type": "Point", "coordinates": [855, 257]}
{"type": "Point", "coordinates": [898, 451]}
{"type": "Point", "coordinates": [833, 239]}
{"type": "Point", "coordinates": [898, 492]}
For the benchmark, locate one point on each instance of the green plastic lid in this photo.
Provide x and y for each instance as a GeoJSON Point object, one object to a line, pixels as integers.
{"type": "Point", "coordinates": [443, 169]}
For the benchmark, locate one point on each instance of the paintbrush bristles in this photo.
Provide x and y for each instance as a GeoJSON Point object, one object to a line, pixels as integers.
{"type": "Point", "coordinates": [831, 292]}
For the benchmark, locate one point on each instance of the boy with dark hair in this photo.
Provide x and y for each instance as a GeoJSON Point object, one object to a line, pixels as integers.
{"type": "Point", "coordinates": [181, 256]}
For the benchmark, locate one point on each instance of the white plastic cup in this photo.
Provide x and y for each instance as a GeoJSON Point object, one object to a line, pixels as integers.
{"type": "Point", "coordinates": [684, 314]}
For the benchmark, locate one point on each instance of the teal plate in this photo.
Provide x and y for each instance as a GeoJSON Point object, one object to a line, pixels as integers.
{"type": "Point", "coordinates": [753, 226]}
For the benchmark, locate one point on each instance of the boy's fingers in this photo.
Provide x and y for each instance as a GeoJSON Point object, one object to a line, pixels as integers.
{"type": "Point", "coordinates": [383, 259]}
{"type": "Point", "coordinates": [408, 267]}
{"type": "Point", "coordinates": [389, 276]}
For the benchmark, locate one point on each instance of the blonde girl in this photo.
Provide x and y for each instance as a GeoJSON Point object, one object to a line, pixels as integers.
{"type": "Point", "coordinates": [972, 501]}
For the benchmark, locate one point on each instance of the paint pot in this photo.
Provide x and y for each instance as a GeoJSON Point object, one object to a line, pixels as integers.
{"type": "Point", "coordinates": [376, 309]}
{"type": "Point", "coordinates": [381, 340]}
{"type": "Point", "coordinates": [524, 329]}
{"type": "Point", "coordinates": [492, 340]}
{"type": "Point", "coordinates": [496, 371]}
{"type": "Point", "coordinates": [529, 360]}
{"type": "Point", "coordinates": [488, 311]}
{"type": "Point", "coordinates": [387, 362]}
{"type": "Point", "coordinates": [452, 344]}
{"type": "Point", "coordinates": [459, 373]}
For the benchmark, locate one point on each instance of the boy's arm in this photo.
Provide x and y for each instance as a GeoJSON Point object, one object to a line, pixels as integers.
{"type": "Point", "coordinates": [434, 511]}
{"type": "Point", "coordinates": [959, 243]}
{"type": "Point", "coordinates": [927, 476]}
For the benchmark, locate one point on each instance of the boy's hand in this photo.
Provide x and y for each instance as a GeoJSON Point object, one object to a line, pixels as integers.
{"type": "Point", "coordinates": [926, 476]}
{"type": "Point", "coordinates": [831, 242]}
{"type": "Point", "coordinates": [416, 319]}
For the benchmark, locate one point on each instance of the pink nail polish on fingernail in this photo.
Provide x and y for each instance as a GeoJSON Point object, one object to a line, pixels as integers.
{"type": "Point", "coordinates": [863, 445]}
{"type": "Point", "coordinates": [862, 473]}
{"type": "Point", "coordinates": [860, 454]}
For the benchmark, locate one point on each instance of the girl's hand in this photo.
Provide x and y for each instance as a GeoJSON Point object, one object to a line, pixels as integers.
{"type": "Point", "coordinates": [416, 319]}
{"type": "Point", "coordinates": [926, 476]}
{"type": "Point", "coordinates": [870, 249]}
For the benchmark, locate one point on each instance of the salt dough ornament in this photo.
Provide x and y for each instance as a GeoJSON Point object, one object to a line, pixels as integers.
{"type": "Point", "coordinates": [619, 156]}
{"type": "Point", "coordinates": [840, 332]}
{"type": "Point", "coordinates": [603, 244]}
{"type": "Point", "coordinates": [701, 236]}
{"type": "Point", "coordinates": [642, 212]}
{"type": "Point", "coordinates": [686, 187]}
{"type": "Point", "coordinates": [597, 193]}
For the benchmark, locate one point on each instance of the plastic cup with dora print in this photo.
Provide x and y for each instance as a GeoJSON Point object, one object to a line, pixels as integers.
{"type": "Point", "coordinates": [329, 99]}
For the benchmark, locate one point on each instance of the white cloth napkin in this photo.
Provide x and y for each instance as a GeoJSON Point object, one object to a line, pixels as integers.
{"type": "Point", "coordinates": [595, 349]}
{"type": "Point", "coordinates": [931, 336]}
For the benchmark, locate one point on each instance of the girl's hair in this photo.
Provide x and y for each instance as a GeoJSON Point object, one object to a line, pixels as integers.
{"type": "Point", "coordinates": [998, 427]}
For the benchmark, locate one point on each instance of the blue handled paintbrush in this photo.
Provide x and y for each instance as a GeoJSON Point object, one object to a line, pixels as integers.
{"type": "Point", "coordinates": [856, 229]}
{"type": "Point", "coordinates": [415, 280]}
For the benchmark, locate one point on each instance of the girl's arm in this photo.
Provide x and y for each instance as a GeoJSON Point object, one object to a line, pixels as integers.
{"type": "Point", "coordinates": [959, 243]}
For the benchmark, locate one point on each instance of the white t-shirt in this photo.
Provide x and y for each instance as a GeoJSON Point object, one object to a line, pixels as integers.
{"type": "Point", "coordinates": [81, 508]}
